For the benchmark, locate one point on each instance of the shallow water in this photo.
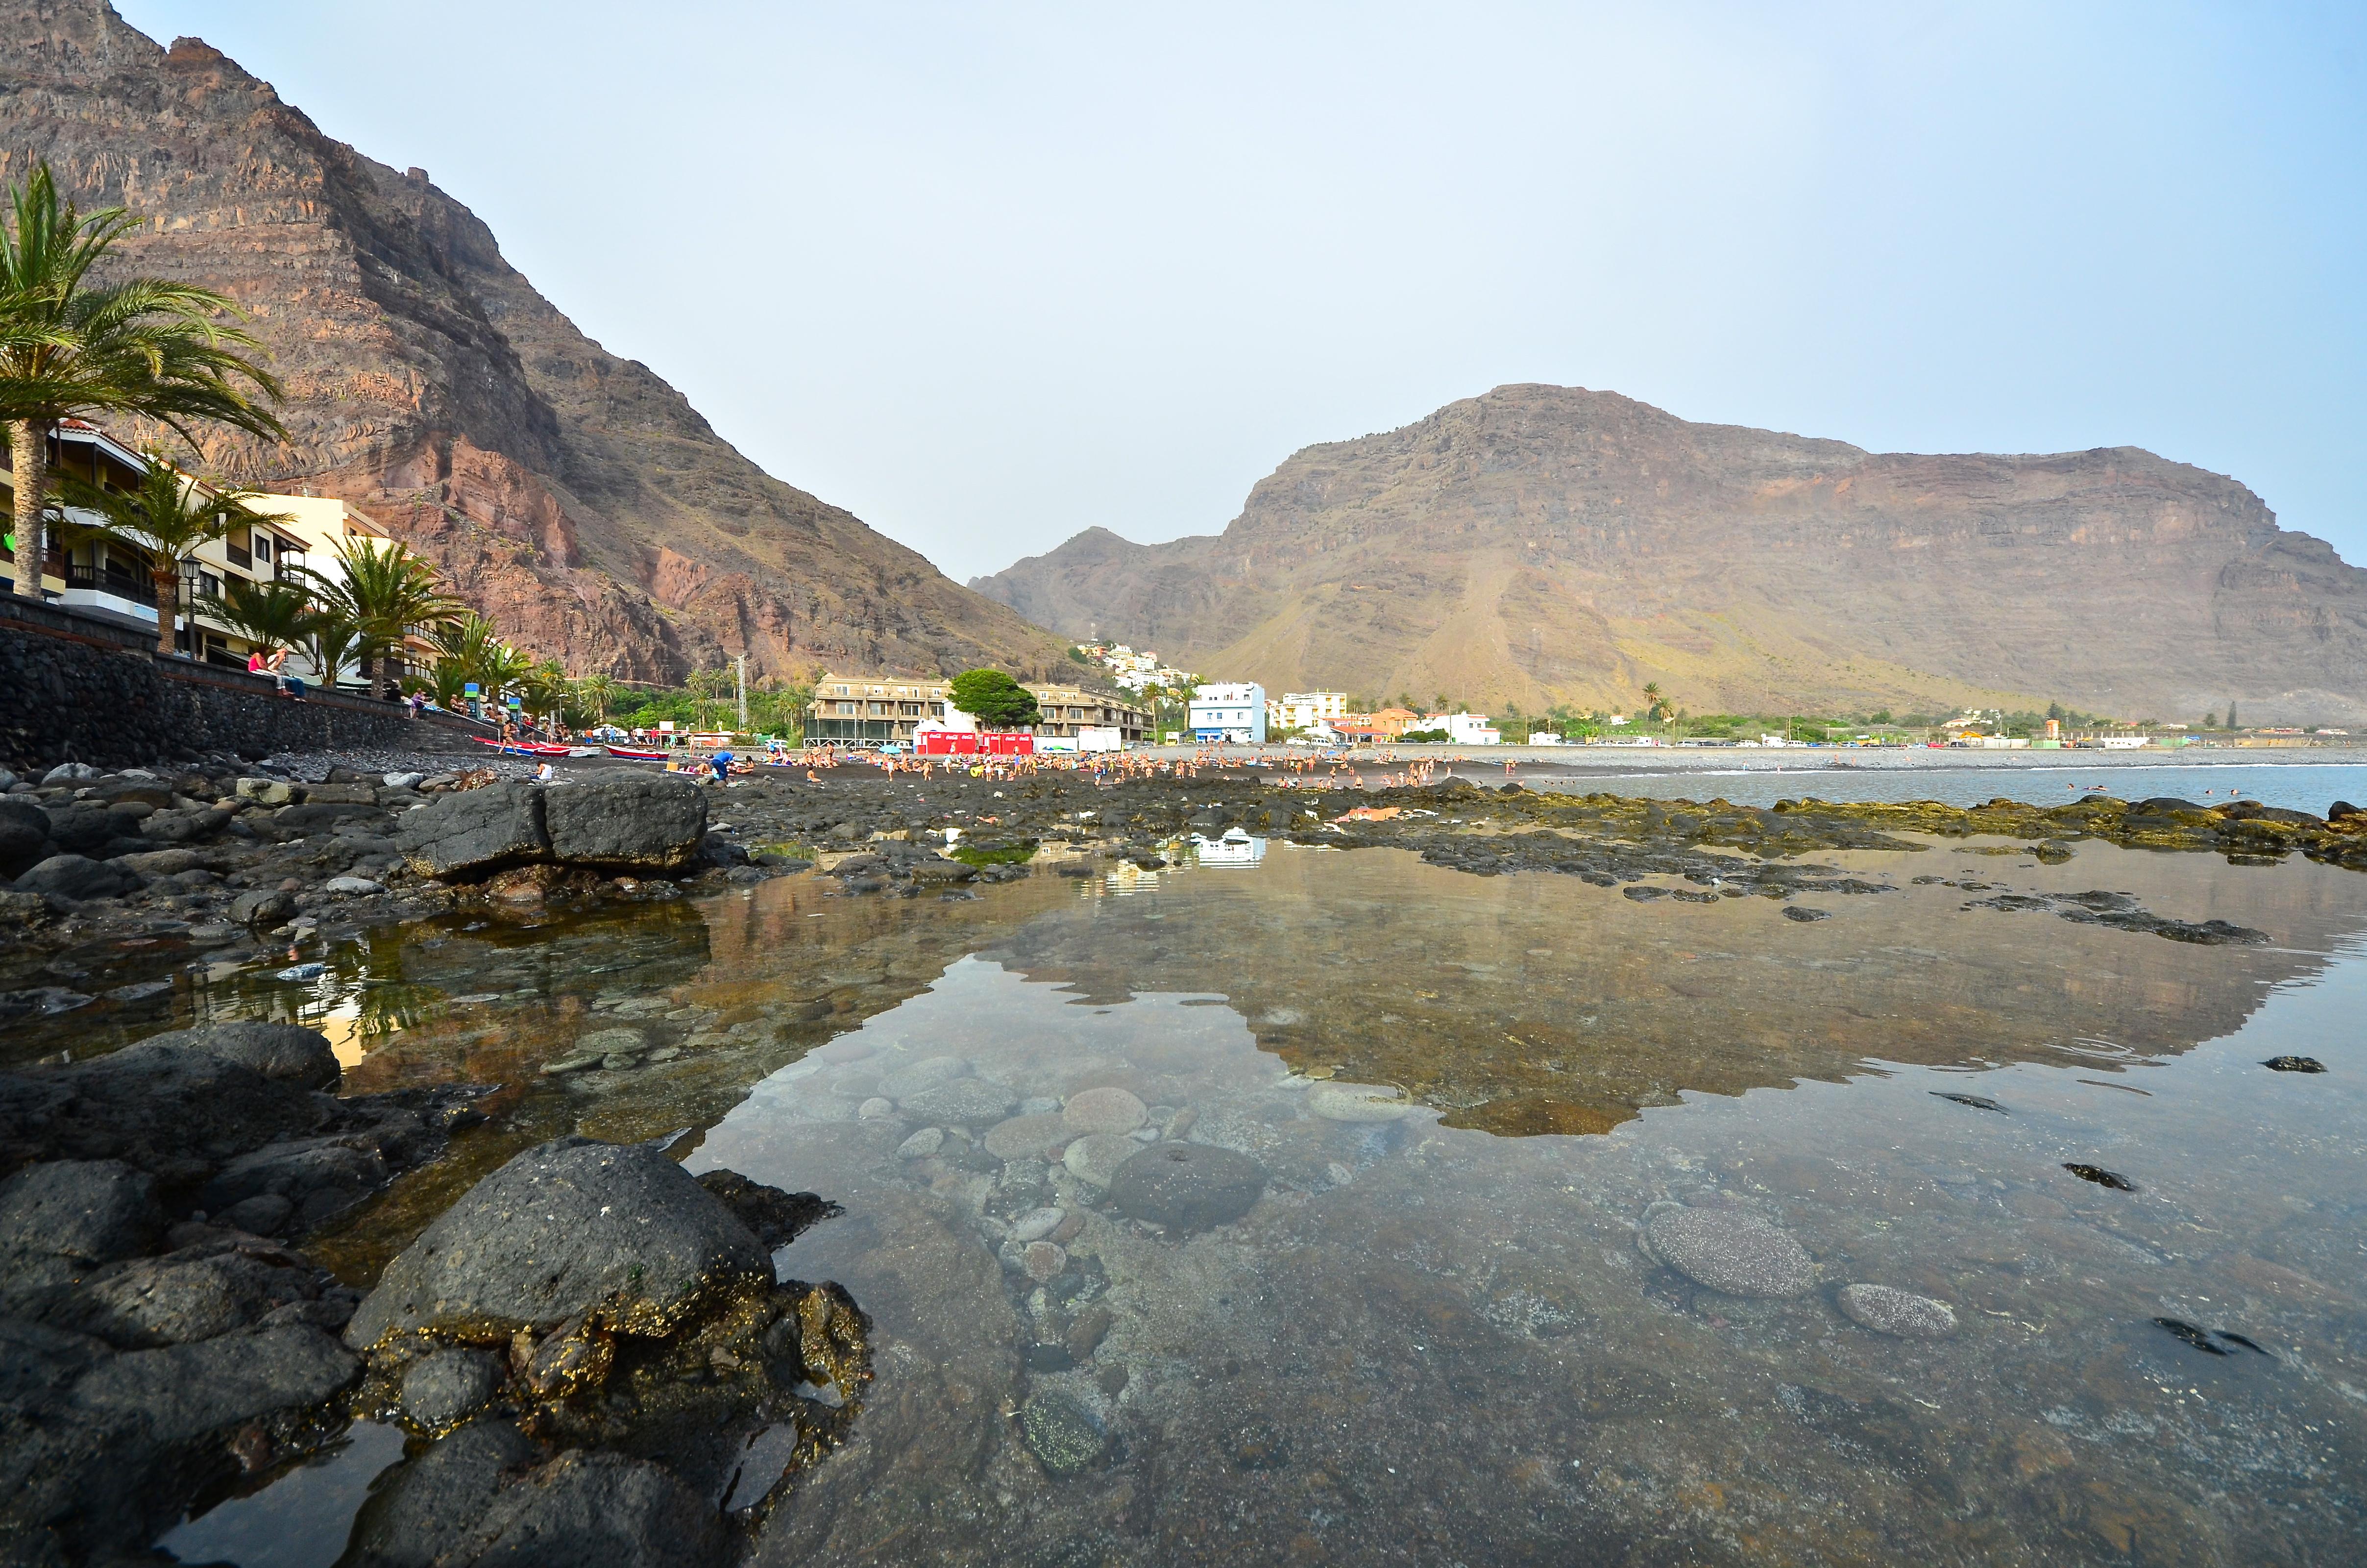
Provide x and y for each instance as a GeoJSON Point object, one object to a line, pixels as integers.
{"type": "Point", "coordinates": [2296, 786]}
{"type": "Point", "coordinates": [1427, 1342]}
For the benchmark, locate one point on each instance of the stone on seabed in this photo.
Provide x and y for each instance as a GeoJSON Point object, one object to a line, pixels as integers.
{"type": "Point", "coordinates": [1886, 1310]}
{"type": "Point", "coordinates": [1730, 1252]}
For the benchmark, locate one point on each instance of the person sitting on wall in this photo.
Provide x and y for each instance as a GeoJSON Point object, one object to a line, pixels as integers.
{"type": "Point", "coordinates": [293, 686]}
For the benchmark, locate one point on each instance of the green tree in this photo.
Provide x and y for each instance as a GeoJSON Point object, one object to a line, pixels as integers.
{"type": "Point", "coordinates": [272, 616]}
{"type": "Point", "coordinates": [142, 347]}
{"type": "Point", "coordinates": [382, 590]}
{"type": "Point", "coordinates": [993, 699]}
{"type": "Point", "coordinates": [165, 517]}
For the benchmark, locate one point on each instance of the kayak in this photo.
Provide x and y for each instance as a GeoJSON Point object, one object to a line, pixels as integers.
{"type": "Point", "coordinates": [637, 755]}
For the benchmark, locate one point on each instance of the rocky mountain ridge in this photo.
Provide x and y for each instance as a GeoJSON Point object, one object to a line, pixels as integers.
{"type": "Point", "coordinates": [1541, 544]}
{"type": "Point", "coordinates": [573, 496]}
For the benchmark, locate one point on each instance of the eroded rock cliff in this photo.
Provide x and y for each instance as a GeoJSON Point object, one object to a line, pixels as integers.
{"type": "Point", "coordinates": [1547, 543]}
{"type": "Point", "coordinates": [573, 496]}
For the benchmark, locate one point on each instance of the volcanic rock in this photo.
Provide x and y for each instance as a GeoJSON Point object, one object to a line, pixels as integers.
{"type": "Point", "coordinates": [573, 1230]}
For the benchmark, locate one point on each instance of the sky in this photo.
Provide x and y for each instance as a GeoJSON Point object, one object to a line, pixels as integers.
{"type": "Point", "coordinates": [987, 275]}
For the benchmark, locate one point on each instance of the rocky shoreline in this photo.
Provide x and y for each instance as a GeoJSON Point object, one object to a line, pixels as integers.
{"type": "Point", "coordinates": [591, 1347]}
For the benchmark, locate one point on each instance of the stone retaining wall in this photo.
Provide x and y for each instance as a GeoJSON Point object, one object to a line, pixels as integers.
{"type": "Point", "coordinates": [80, 689]}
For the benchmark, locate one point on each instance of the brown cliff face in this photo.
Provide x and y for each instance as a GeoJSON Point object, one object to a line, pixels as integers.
{"type": "Point", "coordinates": [1550, 543]}
{"type": "Point", "coordinates": [574, 497]}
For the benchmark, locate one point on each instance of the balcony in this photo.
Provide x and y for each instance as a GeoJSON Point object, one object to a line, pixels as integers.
{"type": "Point", "coordinates": [138, 588]}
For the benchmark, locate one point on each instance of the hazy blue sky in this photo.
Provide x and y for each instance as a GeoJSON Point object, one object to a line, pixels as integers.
{"type": "Point", "coordinates": [987, 275]}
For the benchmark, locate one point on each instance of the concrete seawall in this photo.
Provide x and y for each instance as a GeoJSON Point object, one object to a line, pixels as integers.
{"type": "Point", "coordinates": [79, 688]}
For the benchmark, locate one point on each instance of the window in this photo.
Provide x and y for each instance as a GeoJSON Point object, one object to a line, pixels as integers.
{"type": "Point", "coordinates": [849, 710]}
{"type": "Point", "coordinates": [263, 547]}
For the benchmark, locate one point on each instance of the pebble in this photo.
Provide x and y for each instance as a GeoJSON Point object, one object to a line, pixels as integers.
{"type": "Point", "coordinates": [1103, 1111]}
{"type": "Point", "coordinates": [926, 1074]}
{"type": "Point", "coordinates": [1037, 1223]}
{"type": "Point", "coordinates": [1039, 1136]}
{"type": "Point", "coordinates": [876, 1108]}
{"type": "Point", "coordinates": [353, 887]}
{"type": "Point", "coordinates": [608, 1042]}
{"type": "Point", "coordinates": [1062, 1433]}
{"type": "Point", "coordinates": [844, 1050]}
{"type": "Point", "coordinates": [1355, 1102]}
{"type": "Point", "coordinates": [1039, 1105]}
{"type": "Point", "coordinates": [968, 1100]}
{"type": "Point", "coordinates": [303, 971]}
{"type": "Point", "coordinates": [1734, 1253]}
{"type": "Point", "coordinates": [922, 1145]}
{"type": "Point", "coordinates": [1187, 1187]}
{"type": "Point", "coordinates": [1096, 1157]}
{"type": "Point", "coordinates": [1886, 1310]}
{"type": "Point", "coordinates": [1044, 1260]}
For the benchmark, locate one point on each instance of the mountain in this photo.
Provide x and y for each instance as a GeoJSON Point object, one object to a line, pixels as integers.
{"type": "Point", "coordinates": [1544, 544]}
{"type": "Point", "coordinates": [574, 497]}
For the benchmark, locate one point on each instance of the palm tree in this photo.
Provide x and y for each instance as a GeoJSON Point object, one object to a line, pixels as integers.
{"type": "Point", "coordinates": [334, 641]}
{"type": "Point", "coordinates": [544, 688]}
{"type": "Point", "coordinates": [270, 615]}
{"type": "Point", "coordinates": [593, 693]}
{"type": "Point", "coordinates": [502, 669]}
{"type": "Point", "coordinates": [384, 590]}
{"type": "Point", "coordinates": [143, 347]}
{"type": "Point", "coordinates": [166, 517]}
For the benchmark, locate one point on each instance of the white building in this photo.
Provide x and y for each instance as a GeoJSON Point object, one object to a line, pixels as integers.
{"type": "Point", "coordinates": [1306, 709]}
{"type": "Point", "coordinates": [1465, 729]}
{"type": "Point", "coordinates": [1230, 711]}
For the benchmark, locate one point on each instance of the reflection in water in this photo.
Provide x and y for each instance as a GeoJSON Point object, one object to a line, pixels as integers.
{"type": "Point", "coordinates": [1352, 1324]}
{"type": "Point", "coordinates": [1436, 1345]}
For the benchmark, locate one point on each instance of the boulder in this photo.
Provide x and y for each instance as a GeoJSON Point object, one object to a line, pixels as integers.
{"type": "Point", "coordinates": [475, 832]}
{"type": "Point", "coordinates": [24, 835]}
{"type": "Point", "coordinates": [265, 792]}
{"type": "Point", "coordinates": [317, 1177]}
{"type": "Point", "coordinates": [73, 773]}
{"type": "Point", "coordinates": [286, 1053]}
{"type": "Point", "coordinates": [353, 887]}
{"type": "Point", "coordinates": [75, 877]}
{"type": "Point", "coordinates": [175, 1113]}
{"type": "Point", "coordinates": [423, 1513]}
{"type": "Point", "coordinates": [153, 1301]}
{"type": "Point", "coordinates": [184, 1392]}
{"type": "Point", "coordinates": [602, 1508]}
{"type": "Point", "coordinates": [314, 815]}
{"type": "Point", "coordinates": [91, 1211]}
{"type": "Point", "coordinates": [403, 781]}
{"type": "Point", "coordinates": [626, 824]}
{"type": "Point", "coordinates": [615, 1235]}
{"type": "Point", "coordinates": [267, 907]}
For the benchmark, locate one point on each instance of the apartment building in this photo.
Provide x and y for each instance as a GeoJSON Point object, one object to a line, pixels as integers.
{"type": "Point", "coordinates": [1230, 711]}
{"type": "Point", "coordinates": [114, 580]}
{"type": "Point", "coordinates": [1305, 710]}
{"type": "Point", "coordinates": [874, 709]}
